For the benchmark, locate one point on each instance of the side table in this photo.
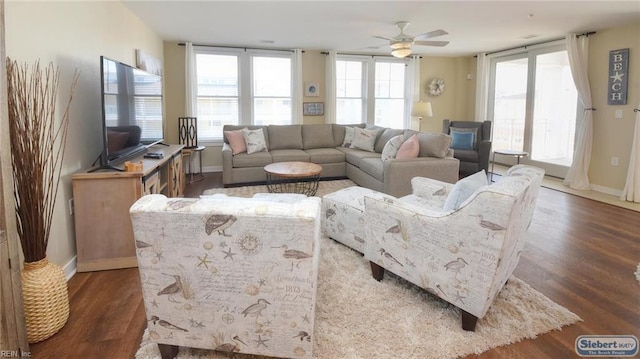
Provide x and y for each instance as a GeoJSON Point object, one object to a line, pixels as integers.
{"type": "Point", "coordinates": [190, 153]}
{"type": "Point", "coordinates": [517, 154]}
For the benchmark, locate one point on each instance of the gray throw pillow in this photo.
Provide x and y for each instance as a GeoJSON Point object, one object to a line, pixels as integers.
{"type": "Point", "coordinates": [434, 144]}
{"type": "Point", "coordinates": [317, 136]}
{"type": "Point", "coordinates": [285, 137]}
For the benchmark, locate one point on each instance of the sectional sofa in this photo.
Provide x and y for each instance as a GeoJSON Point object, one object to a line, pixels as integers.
{"type": "Point", "coordinates": [323, 144]}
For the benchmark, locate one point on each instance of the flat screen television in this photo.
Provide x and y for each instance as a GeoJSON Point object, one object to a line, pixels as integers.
{"type": "Point", "coordinates": [132, 111]}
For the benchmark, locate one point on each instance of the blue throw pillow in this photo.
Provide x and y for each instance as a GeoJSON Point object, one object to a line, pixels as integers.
{"type": "Point", "coordinates": [462, 140]}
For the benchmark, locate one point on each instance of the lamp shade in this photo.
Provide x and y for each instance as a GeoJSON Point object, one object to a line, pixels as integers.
{"type": "Point", "coordinates": [422, 109]}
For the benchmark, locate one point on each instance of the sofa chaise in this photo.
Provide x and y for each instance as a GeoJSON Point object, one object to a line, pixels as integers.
{"type": "Point", "coordinates": [325, 145]}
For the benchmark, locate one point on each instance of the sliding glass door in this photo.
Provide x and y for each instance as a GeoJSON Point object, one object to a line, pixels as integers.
{"type": "Point", "coordinates": [533, 106]}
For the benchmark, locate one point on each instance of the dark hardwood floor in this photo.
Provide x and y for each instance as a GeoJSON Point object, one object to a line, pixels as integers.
{"type": "Point", "coordinates": [583, 258]}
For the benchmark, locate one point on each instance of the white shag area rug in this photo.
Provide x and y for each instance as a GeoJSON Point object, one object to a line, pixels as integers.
{"type": "Point", "coordinates": [324, 187]}
{"type": "Point", "coordinates": [358, 317]}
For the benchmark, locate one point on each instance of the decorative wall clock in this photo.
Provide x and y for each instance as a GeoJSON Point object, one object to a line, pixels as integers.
{"type": "Point", "coordinates": [436, 87]}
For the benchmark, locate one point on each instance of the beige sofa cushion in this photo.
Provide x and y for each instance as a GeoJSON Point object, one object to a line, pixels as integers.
{"type": "Point", "coordinates": [289, 155]}
{"type": "Point", "coordinates": [326, 155]}
{"type": "Point", "coordinates": [387, 134]}
{"type": "Point", "coordinates": [317, 136]}
{"type": "Point", "coordinates": [434, 144]}
{"type": "Point", "coordinates": [285, 137]}
{"type": "Point", "coordinates": [374, 167]}
{"type": "Point", "coordinates": [258, 159]}
{"type": "Point", "coordinates": [354, 156]}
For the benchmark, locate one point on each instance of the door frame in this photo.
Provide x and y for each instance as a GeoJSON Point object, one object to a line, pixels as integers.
{"type": "Point", "coordinates": [13, 333]}
{"type": "Point", "coordinates": [530, 54]}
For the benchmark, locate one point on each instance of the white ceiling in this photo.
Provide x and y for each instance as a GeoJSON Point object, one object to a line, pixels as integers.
{"type": "Point", "coordinates": [349, 26]}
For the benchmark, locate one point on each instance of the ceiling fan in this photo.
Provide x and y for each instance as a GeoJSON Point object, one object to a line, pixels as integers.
{"type": "Point", "coordinates": [401, 43]}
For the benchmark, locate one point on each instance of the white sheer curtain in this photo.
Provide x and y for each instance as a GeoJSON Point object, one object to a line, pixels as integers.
{"type": "Point", "coordinates": [330, 87]}
{"type": "Point", "coordinates": [413, 89]}
{"type": "Point", "coordinates": [578, 51]}
{"type": "Point", "coordinates": [631, 191]}
{"type": "Point", "coordinates": [296, 96]}
{"type": "Point", "coordinates": [482, 86]}
{"type": "Point", "coordinates": [190, 82]}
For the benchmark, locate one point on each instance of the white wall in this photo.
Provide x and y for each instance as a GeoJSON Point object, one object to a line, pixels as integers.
{"type": "Point", "coordinates": [73, 35]}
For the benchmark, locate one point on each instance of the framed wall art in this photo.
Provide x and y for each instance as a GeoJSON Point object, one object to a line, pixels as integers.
{"type": "Point", "coordinates": [618, 77]}
{"type": "Point", "coordinates": [313, 108]}
{"type": "Point", "coordinates": [311, 89]}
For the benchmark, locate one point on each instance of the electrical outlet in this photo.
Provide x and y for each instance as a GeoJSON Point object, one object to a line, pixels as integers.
{"type": "Point", "coordinates": [71, 207]}
{"type": "Point", "coordinates": [618, 114]}
{"type": "Point", "coordinates": [614, 161]}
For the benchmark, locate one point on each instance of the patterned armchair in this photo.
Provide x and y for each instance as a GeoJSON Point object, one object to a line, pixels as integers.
{"type": "Point", "coordinates": [464, 256]}
{"type": "Point", "coordinates": [229, 274]}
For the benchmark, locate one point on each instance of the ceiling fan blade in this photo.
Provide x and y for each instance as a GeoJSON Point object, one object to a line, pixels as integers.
{"type": "Point", "coordinates": [431, 43]}
{"type": "Point", "coordinates": [383, 38]}
{"type": "Point", "coordinates": [430, 34]}
{"type": "Point", "coordinates": [375, 47]}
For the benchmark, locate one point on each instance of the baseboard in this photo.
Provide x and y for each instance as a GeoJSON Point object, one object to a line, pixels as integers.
{"type": "Point", "coordinates": [606, 190]}
{"type": "Point", "coordinates": [71, 268]}
{"type": "Point", "coordinates": [206, 169]}
{"type": "Point", "coordinates": [212, 169]}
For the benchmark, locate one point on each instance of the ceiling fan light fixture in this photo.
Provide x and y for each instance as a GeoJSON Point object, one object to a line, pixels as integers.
{"type": "Point", "coordinates": [401, 44]}
{"type": "Point", "coordinates": [401, 52]}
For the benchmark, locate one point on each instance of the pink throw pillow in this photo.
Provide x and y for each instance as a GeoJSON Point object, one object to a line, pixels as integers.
{"type": "Point", "coordinates": [409, 149]}
{"type": "Point", "coordinates": [236, 141]}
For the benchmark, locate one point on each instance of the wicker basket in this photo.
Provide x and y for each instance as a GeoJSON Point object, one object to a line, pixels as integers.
{"type": "Point", "coordinates": [46, 300]}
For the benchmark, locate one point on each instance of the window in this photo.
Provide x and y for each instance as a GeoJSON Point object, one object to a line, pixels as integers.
{"type": "Point", "coordinates": [218, 94]}
{"type": "Point", "coordinates": [390, 85]}
{"type": "Point", "coordinates": [371, 90]}
{"type": "Point", "coordinates": [239, 87]}
{"type": "Point", "coordinates": [350, 92]}
{"type": "Point", "coordinates": [271, 91]}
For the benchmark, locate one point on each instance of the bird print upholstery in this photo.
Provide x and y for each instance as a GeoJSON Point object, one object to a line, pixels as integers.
{"type": "Point", "coordinates": [237, 275]}
{"type": "Point", "coordinates": [463, 256]}
{"type": "Point", "coordinates": [343, 215]}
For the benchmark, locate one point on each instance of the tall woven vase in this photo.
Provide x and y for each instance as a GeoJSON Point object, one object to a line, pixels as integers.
{"type": "Point", "coordinates": [46, 299]}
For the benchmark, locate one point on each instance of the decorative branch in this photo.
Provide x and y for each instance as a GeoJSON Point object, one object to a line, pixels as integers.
{"type": "Point", "coordinates": [38, 145]}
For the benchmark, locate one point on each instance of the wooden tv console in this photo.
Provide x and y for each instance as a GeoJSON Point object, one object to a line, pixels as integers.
{"type": "Point", "coordinates": [104, 234]}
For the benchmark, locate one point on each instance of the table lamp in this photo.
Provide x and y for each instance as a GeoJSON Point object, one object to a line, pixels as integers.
{"type": "Point", "coordinates": [420, 110]}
